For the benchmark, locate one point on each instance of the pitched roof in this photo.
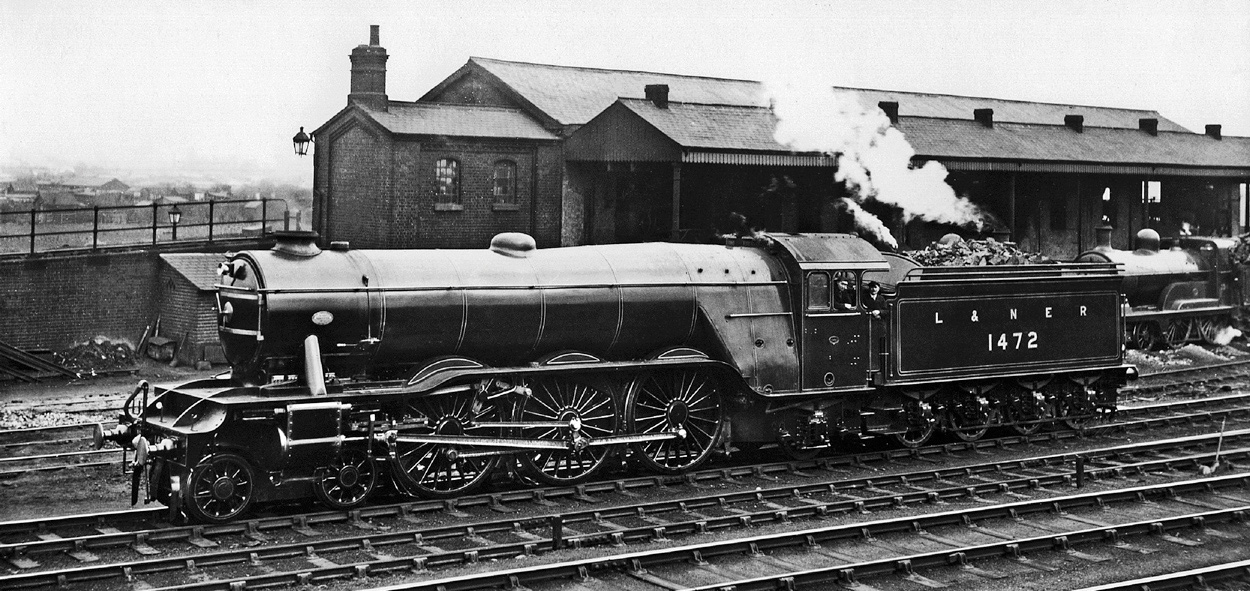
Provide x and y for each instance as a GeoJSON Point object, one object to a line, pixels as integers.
{"type": "Point", "coordinates": [87, 181]}
{"type": "Point", "coordinates": [947, 106]}
{"type": "Point", "coordinates": [947, 138]}
{"type": "Point", "coordinates": [717, 127]}
{"type": "Point", "coordinates": [574, 95]}
{"type": "Point", "coordinates": [457, 120]}
{"type": "Point", "coordinates": [198, 268]}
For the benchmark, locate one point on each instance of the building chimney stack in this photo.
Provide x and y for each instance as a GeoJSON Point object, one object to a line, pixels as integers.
{"type": "Point", "coordinates": [1213, 131]}
{"type": "Point", "coordinates": [369, 74]}
{"type": "Point", "coordinates": [984, 116]}
{"type": "Point", "coordinates": [1149, 125]}
{"type": "Point", "coordinates": [658, 94]}
{"type": "Point", "coordinates": [891, 110]}
{"type": "Point", "coordinates": [1075, 122]}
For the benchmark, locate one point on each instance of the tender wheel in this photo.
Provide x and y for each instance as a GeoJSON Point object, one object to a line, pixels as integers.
{"type": "Point", "coordinates": [920, 425]}
{"type": "Point", "coordinates": [567, 401]}
{"type": "Point", "coordinates": [220, 489]}
{"type": "Point", "coordinates": [441, 470]}
{"type": "Point", "coordinates": [347, 482]}
{"type": "Point", "coordinates": [1025, 412]}
{"type": "Point", "coordinates": [1074, 407]}
{"type": "Point", "coordinates": [968, 419]}
{"type": "Point", "coordinates": [682, 400]}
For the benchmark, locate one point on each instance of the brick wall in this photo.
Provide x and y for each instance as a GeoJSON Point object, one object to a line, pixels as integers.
{"type": "Point", "coordinates": [57, 302]}
{"type": "Point", "coordinates": [360, 186]}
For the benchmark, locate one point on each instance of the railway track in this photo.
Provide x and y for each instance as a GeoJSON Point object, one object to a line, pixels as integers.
{"type": "Point", "coordinates": [316, 538]}
{"type": "Point", "coordinates": [59, 454]}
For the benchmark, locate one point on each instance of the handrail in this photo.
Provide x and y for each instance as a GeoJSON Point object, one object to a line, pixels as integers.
{"type": "Point", "coordinates": [94, 227]}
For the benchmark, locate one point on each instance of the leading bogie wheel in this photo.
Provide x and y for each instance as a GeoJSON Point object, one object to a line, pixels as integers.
{"type": "Point", "coordinates": [445, 470]}
{"type": "Point", "coordinates": [589, 412]}
{"type": "Point", "coordinates": [220, 489]}
{"type": "Point", "coordinates": [685, 403]}
{"type": "Point", "coordinates": [347, 482]}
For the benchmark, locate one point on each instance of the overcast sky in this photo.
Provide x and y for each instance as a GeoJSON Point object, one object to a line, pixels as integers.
{"type": "Point", "coordinates": [218, 89]}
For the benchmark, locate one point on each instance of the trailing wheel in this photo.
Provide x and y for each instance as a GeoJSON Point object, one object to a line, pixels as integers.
{"type": "Point", "coordinates": [220, 489]}
{"type": "Point", "coordinates": [686, 402]}
{"type": "Point", "coordinates": [347, 482]}
{"type": "Point", "coordinates": [445, 470]}
{"type": "Point", "coordinates": [588, 413]}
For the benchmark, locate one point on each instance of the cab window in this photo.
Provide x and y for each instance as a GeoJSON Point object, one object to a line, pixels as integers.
{"type": "Point", "coordinates": [845, 293]}
{"type": "Point", "coordinates": [818, 291]}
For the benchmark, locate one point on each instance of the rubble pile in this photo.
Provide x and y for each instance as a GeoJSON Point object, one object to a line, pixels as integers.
{"type": "Point", "coordinates": [98, 355]}
{"type": "Point", "coordinates": [967, 253]}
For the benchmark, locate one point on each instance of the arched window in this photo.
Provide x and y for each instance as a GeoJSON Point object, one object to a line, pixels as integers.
{"type": "Point", "coordinates": [505, 181]}
{"type": "Point", "coordinates": [447, 181]}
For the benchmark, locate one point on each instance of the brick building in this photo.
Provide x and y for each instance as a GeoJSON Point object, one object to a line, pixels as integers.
{"type": "Point", "coordinates": [188, 305]}
{"type": "Point", "coordinates": [583, 155]}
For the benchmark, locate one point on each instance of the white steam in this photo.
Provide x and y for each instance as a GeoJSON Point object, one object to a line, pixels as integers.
{"type": "Point", "coordinates": [1226, 335]}
{"type": "Point", "coordinates": [868, 223]}
{"type": "Point", "coordinates": [873, 158]}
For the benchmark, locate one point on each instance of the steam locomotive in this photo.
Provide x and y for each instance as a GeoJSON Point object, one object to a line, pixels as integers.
{"type": "Point", "coordinates": [1179, 290]}
{"type": "Point", "coordinates": [442, 370]}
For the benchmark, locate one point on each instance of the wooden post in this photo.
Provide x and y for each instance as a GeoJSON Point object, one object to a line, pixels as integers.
{"type": "Point", "coordinates": [154, 207]}
{"type": "Point", "coordinates": [95, 227]}
{"type": "Point", "coordinates": [211, 204]}
{"type": "Point", "coordinates": [32, 229]}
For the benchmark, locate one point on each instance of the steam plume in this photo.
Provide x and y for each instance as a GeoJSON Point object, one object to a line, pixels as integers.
{"type": "Point", "coordinates": [873, 158]}
{"type": "Point", "coordinates": [868, 223]}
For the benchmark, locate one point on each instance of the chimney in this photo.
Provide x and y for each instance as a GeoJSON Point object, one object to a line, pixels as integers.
{"type": "Point", "coordinates": [658, 94]}
{"type": "Point", "coordinates": [1076, 122]}
{"type": "Point", "coordinates": [1149, 125]}
{"type": "Point", "coordinates": [369, 73]}
{"type": "Point", "coordinates": [984, 116]}
{"type": "Point", "coordinates": [891, 110]}
{"type": "Point", "coordinates": [1213, 131]}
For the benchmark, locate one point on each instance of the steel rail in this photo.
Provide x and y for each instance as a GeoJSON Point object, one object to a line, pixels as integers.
{"type": "Point", "coordinates": [775, 512]}
{"type": "Point", "coordinates": [499, 500]}
{"type": "Point", "coordinates": [640, 560]}
{"type": "Point", "coordinates": [1200, 578]}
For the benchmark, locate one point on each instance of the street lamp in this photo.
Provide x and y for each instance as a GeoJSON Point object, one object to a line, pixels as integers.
{"type": "Point", "coordinates": [301, 141]}
{"type": "Point", "coordinates": [175, 216]}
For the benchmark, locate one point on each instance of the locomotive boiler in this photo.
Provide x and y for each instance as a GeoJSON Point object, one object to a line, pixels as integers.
{"type": "Point", "coordinates": [1179, 290]}
{"type": "Point", "coordinates": [445, 370]}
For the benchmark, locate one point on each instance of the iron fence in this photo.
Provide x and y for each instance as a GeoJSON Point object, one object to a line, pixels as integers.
{"type": "Point", "coordinates": [89, 228]}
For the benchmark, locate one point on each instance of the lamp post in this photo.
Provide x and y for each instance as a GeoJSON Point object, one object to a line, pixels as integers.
{"type": "Point", "coordinates": [175, 216]}
{"type": "Point", "coordinates": [301, 141]}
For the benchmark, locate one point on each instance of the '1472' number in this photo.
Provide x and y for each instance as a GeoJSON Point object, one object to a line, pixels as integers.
{"type": "Point", "coordinates": [1022, 340]}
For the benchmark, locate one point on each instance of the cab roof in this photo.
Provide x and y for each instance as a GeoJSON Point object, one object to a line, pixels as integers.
{"type": "Point", "coordinates": [831, 251]}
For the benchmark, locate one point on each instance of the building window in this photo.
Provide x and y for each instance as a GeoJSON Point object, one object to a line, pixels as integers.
{"type": "Point", "coordinates": [447, 179]}
{"type": "Point", "coordinates": [505, 182]}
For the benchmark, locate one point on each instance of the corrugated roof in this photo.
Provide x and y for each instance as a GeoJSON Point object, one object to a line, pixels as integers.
{"type": "Point", "coordinates": [458, 120]}
{"type": "Point", "coordinates": [198, 268]}
{"type": "Point", "coordinates": [716, 127]}
{"type": "Point", "coordinates": [947, 138]}
{"type": "Point", "coordinates": [573, 95]}
{"type": "Point", "coordinates": [946, 106]}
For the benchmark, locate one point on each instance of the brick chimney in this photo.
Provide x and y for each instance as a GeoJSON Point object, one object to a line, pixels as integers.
{"type": "Point", "coordinates": [891, 110]}
{"type": "Point", "coordinates": [984, 116]}
{"type": "Point", "coordinates": [1075, 122]}
{"type": "Point", "coordinates": [658, 94]}
{"type": "Point", "coordinates": [1149, 125]}
{"type": "Point", "coordinates": [369, 73]}
{"type": "Point", "coordinates": [1214, 131]}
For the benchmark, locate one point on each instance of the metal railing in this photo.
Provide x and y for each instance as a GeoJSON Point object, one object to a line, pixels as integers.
{"type": "Point", "coordinates": [91, 228]}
